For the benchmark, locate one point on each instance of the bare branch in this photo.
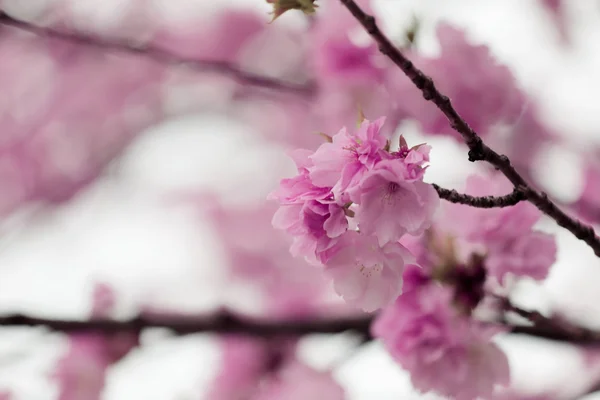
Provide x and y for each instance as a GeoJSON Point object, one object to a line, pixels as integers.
{"type": "Point", "coordinates": [162, 56]}
{"type": "Point", "coordinates": [222, 323]}
{"type": "Point", "coordinates": [480, 202]}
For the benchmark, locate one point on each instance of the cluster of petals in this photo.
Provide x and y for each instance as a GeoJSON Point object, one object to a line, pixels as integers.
{"type": "Point", "coordinates": [505, 235]}
{"type": "Point", "coordinates": [350, 203]}
{"type": "Point", "coordinates": [444, 350]}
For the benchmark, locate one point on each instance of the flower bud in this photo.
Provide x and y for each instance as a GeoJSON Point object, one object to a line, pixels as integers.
{"type": "Point", "coordinates": [281, 6]}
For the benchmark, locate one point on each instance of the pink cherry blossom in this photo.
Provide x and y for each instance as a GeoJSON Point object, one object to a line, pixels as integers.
{"type": "Point", "coordinates": [530, 255]}
{"type": "Point", "coordinates": [489, 225]}
{"type": "Point", "coordinates": [343, 162]}
{"type": "Point", "coordinates": [486, 97]}
{"type": "Point", "coordinates": [297, 381]}
{"type": "Point", "coordinates": [366, 275]}
{"type": "Point", "coordinates": [505, 236]}
{"type": "Point", "coordinates": [392, 204]}
{"type": "Point", "coordinates": [309, 213]}
{"type": "Point", "coordinates": [443, 351]}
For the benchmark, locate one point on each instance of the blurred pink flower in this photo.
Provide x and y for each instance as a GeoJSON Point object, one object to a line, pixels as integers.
{"type": "Point", "coordinates": [486, 96]}
{"type": "Point", "coordinates": [366, 275]}
{"type": "Point", "coordinates": [489, 225]}
{"type": "Point", "coordinates": [81, 372]}
{"type": "Point", "coordinates": [229, 32]}
{"type": "Point", "coordinates": [443, 351]}
{"type": "Point", "coordinates": [297, 381]}
{"type": "Point", "coordinates": [504, 236]}
{"type": "Point", "coordinates": [530, 254]}
{"type": "Point", "coordinates": [55, 144]}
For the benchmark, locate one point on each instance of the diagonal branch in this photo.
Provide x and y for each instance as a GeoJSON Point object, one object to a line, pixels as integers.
{"type": "Point", "coordinates": [162, 56]}
{"type": "Point", "coordinates": [478, 150]}
{"type": "Point", "coordinates": [480, 202]}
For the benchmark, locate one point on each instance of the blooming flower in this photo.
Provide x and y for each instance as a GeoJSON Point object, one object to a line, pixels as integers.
{"type": "Point", "coordinates": [308, 212]}
{"type": "Point", "coordinates": [356, 175]}
{"type": "Point", "coordinates": [366, 275]}
{"type": "Point", "coordinates": [392, 204]}
{"type": "Point", "coordinates": [443, 351]}
{"type": "Point", "coordinates": [343, 162]}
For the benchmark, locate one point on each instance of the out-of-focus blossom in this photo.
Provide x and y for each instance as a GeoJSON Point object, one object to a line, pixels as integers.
{"type": "Point", "coordinates": [587, 206]}
{"type": "Point", "coordinates": [81, 372]}
{"type": "Point", "coordinates": [503, 236]}
{"type": "Point", "coordinates": [556, 9]}
{"type": "Point", "coordinates": [366, 275]}
{"type": "Point", "coordinates": [229, 32]}
{"type": "Point", "coordinates": [443, 351]}
{"type": "Point", "coordinates": [489, 225]}
{"type": "Point", "coordinates": [54, 145]}
{"type": "Point", "coordinates": [297, 381]}
{"type": "Point", "coordinates": [485, 97]}
{"type": "Point", "coordinates": [350, 75]}
{"type": "Point", "coordinates": [259, 256]}
{"type": "Point", "coordinates": [530, 254]}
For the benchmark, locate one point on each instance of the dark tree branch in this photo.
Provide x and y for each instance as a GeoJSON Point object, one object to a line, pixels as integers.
{"type": "Point", "coordinates": [480, 202]}
{"type": "Point", "coordinates": [228, 323]}
{"type": "Point", "coordinates": [162, 56]}
{"type": "Point", "coordinates": [222, 323]}
{"type": "Point", "coordinates": [478, 150]}
{"type": "Point", "coordinates": [553, 328]}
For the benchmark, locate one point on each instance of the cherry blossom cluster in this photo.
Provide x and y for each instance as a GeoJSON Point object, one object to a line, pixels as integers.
{"type": "Point", "coordinates": [351, 202]}
{"type": "Point", "coordinates": [434, 329]}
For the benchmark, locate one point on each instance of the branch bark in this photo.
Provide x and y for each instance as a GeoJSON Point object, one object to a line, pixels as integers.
{"type": "Point", "coordinates": [221, 323]}
{"type": "Point", "coordinates": [480, 202]}
{"type": "Point", "coordinates": [164, 57]}
{"type": "Point", "coordinates": [478, 150]}
{"type": "Point", "coordinates": [229, 323]}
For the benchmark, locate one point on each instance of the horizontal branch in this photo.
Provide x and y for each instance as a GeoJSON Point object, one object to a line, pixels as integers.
{"type": "Point", "coordinates": [478, 150]}
{"type": "Point", "coordinates": [222, 323]}
{"type": "Point", "coordinates": [228, 323]}
{"type": "Point", "coordinates": [480, 202]}
{"type": "Point", "coordinates": [162, 56]}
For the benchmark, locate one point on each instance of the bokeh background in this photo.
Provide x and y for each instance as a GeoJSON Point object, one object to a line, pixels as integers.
{"type": "Point", "coordinates": [144, 225]}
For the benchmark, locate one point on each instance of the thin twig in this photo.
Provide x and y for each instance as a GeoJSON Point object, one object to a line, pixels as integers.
{"type": "Point", "coordinates": [162, 56]}
{"type": "Point", "coordinates": [553, 328]}
{"type": "Point", "coordinates": [478, 150]}
{"type": "Point", "coordinates": [480, 202]}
